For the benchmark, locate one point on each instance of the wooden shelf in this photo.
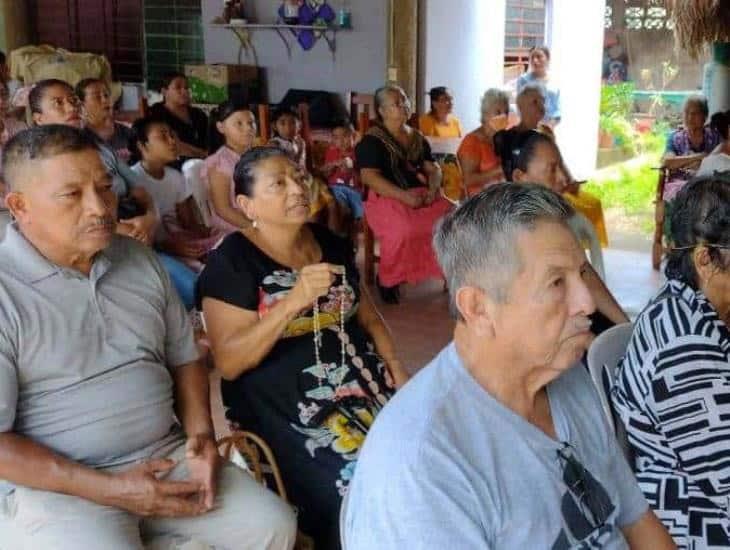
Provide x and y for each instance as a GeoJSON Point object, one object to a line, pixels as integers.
{"type": "Point", "coordinates": [244, 30]}
{"type": "Point", "coordinates": [280, 26]}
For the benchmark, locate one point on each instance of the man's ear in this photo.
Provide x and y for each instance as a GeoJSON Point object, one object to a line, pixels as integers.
{"type": "Point", "coordinates": [16, 203]}
{"type": "Point", "coordinates": [476, 309]}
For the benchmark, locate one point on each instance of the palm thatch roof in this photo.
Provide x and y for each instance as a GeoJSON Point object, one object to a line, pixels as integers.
{"type": "Point", "coordinates": [700, 22]}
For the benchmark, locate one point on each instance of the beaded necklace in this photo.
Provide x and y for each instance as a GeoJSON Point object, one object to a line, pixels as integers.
{"type": "Point", "coordinates": [318, 330]}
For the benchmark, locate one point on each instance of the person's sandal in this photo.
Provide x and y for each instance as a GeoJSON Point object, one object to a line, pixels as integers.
{"type": "Point", "coordinates": [389, 294]}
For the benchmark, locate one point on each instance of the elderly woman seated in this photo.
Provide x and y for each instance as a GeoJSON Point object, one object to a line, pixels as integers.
{"type": "Point", "coordinates": [306, 360]}
{"type": "Point", "coordinates": [397, 168]}
{"type": "Point", "coordinates": [480, 164]}
{"type": "Point", "coordinates": [672, 390]}
{"type": "Point", "coordinates": [688, 144]}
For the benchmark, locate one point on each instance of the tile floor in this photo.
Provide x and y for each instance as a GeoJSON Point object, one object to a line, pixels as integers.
{"type": "Point", "coordinates": [421, 325]}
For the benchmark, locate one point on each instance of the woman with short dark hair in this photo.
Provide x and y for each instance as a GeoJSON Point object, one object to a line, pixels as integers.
{"type": "Point", "coordinates": [97, 113]}
{"type": "Point", "coordinates": [440, 120]}
{"type": "Point", "coordinates": [306, 359]}
{"type": "Point", "coordinates": [189, 123]}
{"type": "Point", "coordinates": [672, 390]}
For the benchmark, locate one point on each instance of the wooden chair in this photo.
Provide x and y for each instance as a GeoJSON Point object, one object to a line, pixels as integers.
{"type": "Point", "coordinates": [657, 249]}
{"type": "Point", "coordinates": [360, 110]}
{"type": "Point", "coordinates": [690, 163]}
{"type": "Point", "coordinates": [261, 464]}
{"type": "Point", "coordinates": [258, 457]}
{"type": "Point", "coordinates": [359, 105]}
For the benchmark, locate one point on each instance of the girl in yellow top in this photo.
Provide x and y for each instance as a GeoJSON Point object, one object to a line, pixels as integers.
{"type": "Point", "coordinates": [439, 121]}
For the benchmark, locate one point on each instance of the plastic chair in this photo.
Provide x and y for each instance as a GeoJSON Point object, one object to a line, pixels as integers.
{"type": "Point", "coordinates": [191, 170]}
{"type": "Point", "coordinates": [604, 355]}
{"type": "Point", "coordinates": [343, 518]}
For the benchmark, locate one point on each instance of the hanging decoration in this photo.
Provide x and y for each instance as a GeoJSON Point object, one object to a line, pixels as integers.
{"type": "Point", "coordinates": [317, 13]}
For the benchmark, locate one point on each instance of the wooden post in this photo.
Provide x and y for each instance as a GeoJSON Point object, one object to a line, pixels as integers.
{"type": "Point", "coordinates": [264, 124]}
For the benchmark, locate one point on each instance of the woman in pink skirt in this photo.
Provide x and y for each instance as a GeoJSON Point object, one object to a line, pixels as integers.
{"type": "Point", "coordinates": [403, 200]}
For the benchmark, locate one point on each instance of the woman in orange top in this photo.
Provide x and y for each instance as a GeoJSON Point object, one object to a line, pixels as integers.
{"type": "Point", "coordinates": [440, 121]}
{"type": "Point", "coordinates": [480, 165]}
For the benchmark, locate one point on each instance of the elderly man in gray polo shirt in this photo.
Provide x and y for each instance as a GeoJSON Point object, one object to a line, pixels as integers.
{"type": "Point", "coordinates": [106, 438]}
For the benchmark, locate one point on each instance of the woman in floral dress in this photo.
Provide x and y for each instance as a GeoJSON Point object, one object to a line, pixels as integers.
{"type": "Point", "coordinates": [306, 359]}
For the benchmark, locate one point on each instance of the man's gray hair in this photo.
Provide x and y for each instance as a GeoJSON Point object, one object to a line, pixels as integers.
{"type": "Point", "coordinates": [41, 142]}
{"type": "Point", "coordinates": [476, 244]}
{"type": "Point", "coordinates": [531, 87]}
{"type": "Point", "coordinates": [492, 97]}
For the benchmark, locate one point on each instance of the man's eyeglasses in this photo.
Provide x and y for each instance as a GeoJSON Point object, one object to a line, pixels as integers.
{"type": "Point", "coordinates": [592, 498]}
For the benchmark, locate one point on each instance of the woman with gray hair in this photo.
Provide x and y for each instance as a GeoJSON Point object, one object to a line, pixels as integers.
{"type": "Point", "coordinates": [479, 162]}
{"type": "Point", "coordinates": [673, 387]}
{"type": "Point", "coordinates": [403, 202]}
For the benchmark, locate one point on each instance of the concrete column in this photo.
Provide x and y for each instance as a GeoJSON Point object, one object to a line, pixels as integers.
{"type": "Point", "coordinates": [716, 85]}
{"type": "Point", "coordinates": [575, 68]}
{"type": "Point", "coordinates": [462, 47]}
{"type": "Point", "coordinates": [403, 56]}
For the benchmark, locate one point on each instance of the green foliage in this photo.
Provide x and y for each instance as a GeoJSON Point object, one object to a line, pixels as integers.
{"type": "Point", "coordinates": [630, 188]}
{"type": "Point", "coordinates": [617, 100]}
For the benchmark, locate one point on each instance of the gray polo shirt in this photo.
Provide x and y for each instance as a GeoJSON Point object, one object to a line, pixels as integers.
{"type": "Point", "coordinates": [85, 361]}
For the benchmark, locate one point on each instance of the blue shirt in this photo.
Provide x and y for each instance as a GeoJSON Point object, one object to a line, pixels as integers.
{"type": "Point", "coordinates": [447, 466]}
{"type": "Point", "coordinates": [552, 95]}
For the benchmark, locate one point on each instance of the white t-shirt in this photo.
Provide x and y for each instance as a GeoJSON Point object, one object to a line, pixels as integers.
{"type": "Point", "coordinates": [166, 194]}
{"type": "Point", "coordinates": [717, 162]}
{"type": "Point", "coordinates": [447, 466]}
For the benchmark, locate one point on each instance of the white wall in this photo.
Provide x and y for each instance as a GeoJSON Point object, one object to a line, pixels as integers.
{"type": "Point", "coordinates": [359, 64]}
{"type": "Point", "coordinates": [576, 41]}
{"type": "Point", "coordinates": [463, 47]}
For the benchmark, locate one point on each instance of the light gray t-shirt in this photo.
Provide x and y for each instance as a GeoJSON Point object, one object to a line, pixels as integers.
{"type": "Point", "coordinates": [446, 466]}
{"type": "Point", "coordinates": [85, 361]}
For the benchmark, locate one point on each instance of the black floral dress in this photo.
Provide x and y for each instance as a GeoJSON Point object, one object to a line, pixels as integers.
{"type": "Point", "coordinates": [314, 417]}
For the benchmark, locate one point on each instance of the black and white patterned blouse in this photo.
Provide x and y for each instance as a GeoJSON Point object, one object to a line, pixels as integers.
{"type": "Point", "coordinates": [672, 392]}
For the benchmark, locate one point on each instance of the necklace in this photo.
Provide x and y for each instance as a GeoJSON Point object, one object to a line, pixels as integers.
{"type": "Point", "coordinates": [317, 330]}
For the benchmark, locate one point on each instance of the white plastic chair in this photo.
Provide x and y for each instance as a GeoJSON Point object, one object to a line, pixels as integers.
{"type": "Point", "coordinates": [604, 355]}
{"type": "Point", "coordinates": [343, 518]}
{"type": "Point", "coordinates": [191, 169]}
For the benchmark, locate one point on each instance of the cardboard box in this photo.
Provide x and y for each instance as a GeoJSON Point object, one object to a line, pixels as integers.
{"type": "Point", "coordinates": [215, 83]}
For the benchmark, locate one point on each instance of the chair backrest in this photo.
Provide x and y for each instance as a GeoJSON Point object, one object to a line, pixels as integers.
{"type": "Point", "coordinates": [258, 457]}
{"type": "Point", "coordinates": [343, 518]}
{"type": "Point", "coordinates": [604, 355]}
{"type": "Point", "coordinates": [191, 169]}
{"type": "Point", "coordinates": [360, 104]}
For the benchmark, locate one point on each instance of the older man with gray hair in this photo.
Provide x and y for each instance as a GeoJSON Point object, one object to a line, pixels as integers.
{"type": "Point", "coordinates": [501, 441]}
{"type": "Point", "coordinates": [106, 438]}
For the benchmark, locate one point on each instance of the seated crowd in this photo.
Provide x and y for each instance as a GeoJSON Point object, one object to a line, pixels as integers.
{"type": "Point", "coordinates": [111, 258]}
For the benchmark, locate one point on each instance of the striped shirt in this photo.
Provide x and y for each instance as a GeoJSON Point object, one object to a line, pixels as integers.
{"type": "Point", "coordinates": [673, 394]}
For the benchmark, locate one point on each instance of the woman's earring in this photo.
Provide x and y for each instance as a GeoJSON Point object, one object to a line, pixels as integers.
{"type": "Point", "coordinates": [255, 224]}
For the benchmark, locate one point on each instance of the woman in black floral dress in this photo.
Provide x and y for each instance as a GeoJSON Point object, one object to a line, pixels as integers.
{"type": "Point", "coordinates": [306, 359]}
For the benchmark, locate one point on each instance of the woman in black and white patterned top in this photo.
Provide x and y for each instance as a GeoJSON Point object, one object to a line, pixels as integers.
{"type": "Point", "coordinates": [673, 388]}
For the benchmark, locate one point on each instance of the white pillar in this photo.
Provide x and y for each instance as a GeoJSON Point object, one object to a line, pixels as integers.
{"type": "Point", "coordinates": [464, 50]}
{"type": "Point", "coordinates": [576, 40]}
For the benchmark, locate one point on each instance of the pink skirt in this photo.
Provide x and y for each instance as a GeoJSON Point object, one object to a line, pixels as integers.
{"type": "Point", "coordinates": [405, 235]}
